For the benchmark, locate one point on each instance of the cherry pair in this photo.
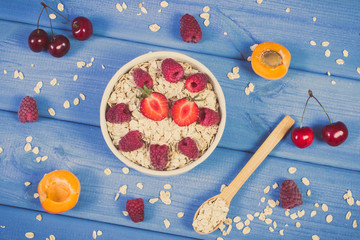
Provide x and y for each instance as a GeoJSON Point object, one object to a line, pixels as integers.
{"type": "Point", "coordinates": [334, 134]}
{"type": "Point", "coordinates": [58, 45]}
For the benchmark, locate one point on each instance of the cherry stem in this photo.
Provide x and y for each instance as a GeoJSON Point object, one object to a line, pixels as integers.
{"type": "Point", "coordinates": [311, 95]}
{"type": "Point", "coordinates": [54, 11]}
{"type": "Point", "coordinates": [50, 24]}
{"type": "Point", "coordinates": [302, 117]}
{"type": "Point", "coordinates": [39, 19]}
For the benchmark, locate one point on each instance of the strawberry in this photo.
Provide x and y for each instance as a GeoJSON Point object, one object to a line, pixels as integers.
{"type": "Point", "coordinates": [185, 111]}
{"type": "Point", "coordinates": [154, 105]}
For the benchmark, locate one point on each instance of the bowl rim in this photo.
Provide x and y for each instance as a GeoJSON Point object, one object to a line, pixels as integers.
{"type": "Point", "coordinates": [147, 57]}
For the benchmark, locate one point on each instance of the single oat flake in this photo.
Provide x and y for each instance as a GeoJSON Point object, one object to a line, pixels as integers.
{"type": "Point", "coordinates": [29, 139]}
{"type": "Point", "coordinates": [340, 61]}
{"type": "Point", "coordinates": [119, 7]}
{"type": "Point", "coordinates": [348, 215]}
{"type": "Point", "coordinates": [94, 234]}
{"type": "Point", "coordinates": [267, 189]}
{"type": "Point", "coordinates": [167, 223]}
{"type": "Point", "coordinates": [246, 230]}
{"type": "Point", "coordinates": [325, 44]}
{"type": "Point", "coordinates": [27, 184]}
{"type": "Point", "coordinates": [80, 64]}
{"type": "Point", "coordinates": [324, 207]}
{"type": "Point", "coordinates": [76, 101]}
{"type": "Point", "coordinates": [305, 181]}
{"type": "Point", "coordinates": [327, 53]}
{"type": "Point", "coordinates": [125, 213]}
{"type": "Point", "coordinates": [107, 171]}
{"type": "Point", "coordinates": [66, 104]}
{"type": "Point", "coordinates": [167, 186]}
{"type": "Point", "coordinates": [51, 111]}
{"type": "Point", "coordinates": [355, 225]}
{"type": "Point", "coordinates": [259, 1]}
{"type": "Point", "coordinates": [60, 7]}
{"type": "Point", "coordinates": [75, 77]}
{"type": "Point", "coordinates": [154, 27]}
{"type": "Point", "coordinates": [53, 82]}
{"type": "Point", "coordinates": [51, 237]}
{"type": "Point", "coordinates": [312, 43]}
{"type": "Point", "coordinates": [313, 213]}
{"type": "Point", "coordinates": [287, 10]}
{"type": "Point", "coordinates": [329, 218]}
{"type": "Point", "coordinates": [140, 185]}
{"type": "Point", "coordinates": [27, 147]}
{"type": "Point", "coordinates": [38, 217]}
{"type": "Point", "coordinates": [29, 235]}
{"type": "Point", "coordinates": [292, 170]}
{"type": "Point", "coordinates": [164, 4]}
{"type": "Point", "coordinates": [206, 9]}
{"type": "Point", "coordinates": [345, 53]}
{"type": "Point", "coordinates": [153, 200]}
{"type": "Point", "coordinates": [35, 150]}
{"type": "Point", "coordinates": [315, 237]}
{"type": "Point", "coordinates": [180, 214]}
{"type": "Point", "coordinates": [125, 170]}
{"type": "Point", "coordinates": [82, 96]}
{"type": "Point", "coordinates": [99, 232]}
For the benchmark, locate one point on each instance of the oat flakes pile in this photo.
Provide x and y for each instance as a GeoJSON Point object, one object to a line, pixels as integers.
{"type": "Point", "coordinates": [165, 131]}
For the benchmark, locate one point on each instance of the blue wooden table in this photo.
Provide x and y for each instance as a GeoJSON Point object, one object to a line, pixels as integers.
{"type": "Point", "coordinates": [72, 138]}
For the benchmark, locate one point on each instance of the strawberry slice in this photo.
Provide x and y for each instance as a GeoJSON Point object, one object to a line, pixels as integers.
{"type": "Point", "coordinates": [184, 112]}
{"type": "Point", "coordinates": [154, 105]}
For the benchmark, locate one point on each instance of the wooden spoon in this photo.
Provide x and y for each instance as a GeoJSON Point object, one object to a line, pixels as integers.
{"type": "Point", "coordinates": [272, 140]}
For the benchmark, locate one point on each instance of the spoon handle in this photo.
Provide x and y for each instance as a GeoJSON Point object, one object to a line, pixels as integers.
{"type": "Point", "coordinates": [272, 140]}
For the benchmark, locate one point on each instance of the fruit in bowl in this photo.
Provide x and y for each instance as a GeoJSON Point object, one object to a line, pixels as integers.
{"type": "Point", "coordinates": [174, 125]}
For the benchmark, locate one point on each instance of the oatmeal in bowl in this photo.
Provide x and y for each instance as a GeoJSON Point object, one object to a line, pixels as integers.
{"type": "Point", "coordinates": [163, 113]}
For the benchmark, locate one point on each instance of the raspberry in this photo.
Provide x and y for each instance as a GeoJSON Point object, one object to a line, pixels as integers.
{"type": "Point", "coordinates": [118, 113]}
{"type": "Point", "coordinates": [136, 209]}
{"type": "Point", "coordinates": [142, 78]}
{"type": "Point", "coordinates": [196, 82]}
{"type": "Point", "coordinates": [159, 156]}
{"type": "Point", "coordinates": [28, 111]}
{"type": "Point", "coordinates": [131, 141]}
{"type": "Point", "coordinates": [172, 70]}
{"type": "Point", "coordinates": [187, 146]}
{"type": "Point", "coordinates": [208, 117]}
{"type": "Point", "coordinates": [290, 195]}
{"type": "Point", "coordinates": [190, 29]}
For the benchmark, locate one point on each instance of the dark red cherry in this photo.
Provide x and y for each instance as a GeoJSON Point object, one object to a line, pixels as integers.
{"type": "Point", "coordinates": [81, 28]}
{"type": "Point", "coordinates": [38, 40]}
{"type": "Point", "coordinates": [335, 134]}
{"type": "Point", "coordinates": [59, 46]}
{"type": "Point", "coordinates": [302, 137]}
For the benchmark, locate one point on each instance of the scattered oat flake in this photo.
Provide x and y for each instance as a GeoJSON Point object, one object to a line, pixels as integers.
{"type": "Point", "coordinates": [348, 215]}
{"type": "Point", "coordinates": [52, 16]}
{"type": "Point", "coordinates": [287, 10]}
{"type": "Point", "coordinates": [333, 82]}
{"type": "Point", "coordinates": [358, 202]}
{"type": "Point", "coordinates": [313, 213]}
{"type": "Point", "coordinates": [325, 44]}
{"type": "Point", "coordinates": [53, 82]}
{"type": "Point", "coordinates": [76, 101]}
{"type": "Point", "coordinates": [315, 237]}
{"type": "Point", "coordinates": [275, 225]}
{"type": "Point", "coordinates": [314, 19]}
{"type": "Point", "coordinates": [167, 186]}
{"type": "Point", "coordinates": [35, 150]}
{"type": "Point", "coordinates": [250, 217]}
{"type": "Point", "coordinates": [144, 10]}
{"type": "Point", "coordinates": [117, 195]}
{"type": "Point", "coordinates": [60, 7]}
{"type": "Point", "coordinates": [312, 43]}
{"type": "Point", "coordinates": [21, 75]}
{"type": "Point", "coordinates": [39, 84]}
{"type": "Point", "coordinates": [125, 170]}
{"type": "Point", "coordinates": [80, 64]}
{"type": "Point", "coordinates": [316, 205]}
{"type": "Point", "coordinates": [358, 70]}
{"type": "Point", "coordinates": [262, 199]}
{"type": "Point", "coordinates": [267, 189]}
{"type": "Point", "coordinates": [92, 59]}
{"type": "Point", "coordinates": [102, 66]}
{"type": "Point", "coordinates": [5, 72]}
{"type": "Point", "coordinates": [51, 111]}
{"type": "Point", "coordinates": [340, 61]}
{"type": "Point", "coordinates": [38, 159]}
{"type": "Point", "coordinates": [16, 74]}
{"type": "Point", "coordinates": [124, 6]}
{"type": "Point", "coordinates": [167, 223]}
{"type": "Point", "coordinates": [275, 185]}
{"type": "Point", "coordinates": [247, 222]}
{"type": "Point", "coordinates": [27, 147]}
{"type": "Point", "coordinates": [206, 9]}
{"type": "Point", "coordinates": [237, 219]}
{"type": "Point", "coordinates": [305, 181]}
{"type": "Point", "coordinates": [219, 238]}
{"type": "Point", "coordinates": [225, 33]}
{"type": "Point", "coordinates": [27, 184]}
{"type": "Point", "coordinates": [350, 201]}
{"type": "Point", "coordinates": [287, 212]}
{"type": "Point", "coordinates": [32, 65]}
{"type": "Point", "coordinates": [94, 234]}
{"type": "Point", "coordinates": [259, 1]}
{"type": "Point", "coordinates": [308, 193]}
{"type": "Point", "coordinates": [239, 225]}
{"type": "Point", "coordinates": [257, 214]}
{"type": "Point", "coordinates": [324, 207]}
{"type": "Point", "coordinates": [89, 64]}
{"type": "Point", "coordinates": [205, 15]}
{"type": "Point", "coordinates": [246, 230]}
{"type": "Point", "coordinates": [252, 47]}
{"type": "Point", "coordinates": [37, 90]}
{"type": "Point", "coordinates": [271, 229]}
{"type": "Point", "coordinates": [281, 232]}
{"type": "Point", "coordinates": [125, 213]}
{"type": "Point", "coordinates": [1, 149]}
{"type": "Point", "coordinates": [272, 203]}
{"type": "Point", "coordinates": [164, 4]}
{"type": "Point", "coordinates": [52, 237]}
{"type": "Point", "coordinates": [355, 225]}
{"type": "Point", "coordinates": [75, 77]}
{"type": "Point", "coordinates": [154, 27]}
{"type": "Point", "coordinates": [36, 195]}
{"type": "Point", "coordinates": [119, 7]}
{"type": "Point", "coordinates": [327, 53]}
{"type": "Point", "coordinates": [38, 217]}
{"type": "Point", "coordinates": [206, 22]}
{"type": "Point", "coordinates": [180, 214]}
{"type": "Point", "coordinates": [268, 221]}
{"type": "Point", "coordinates": [82, 96]}
{"type": "Point", "coordinates": [329, 218]}
{"type": "Point", "coordinates": [44, 158]}
{"type": "Point", "coordinates": [123, 189]}
{"type": "Point", "coordinates": [153, 200]}
{"type": "Point", "coordinates": [107, 171]}
{"type": "Point", "coordinates": [29, 139]}
{"type": "Point", "coordinates": [293, 216]}
{"type": "Point", "coordinates": [66, 104]}
{"type": "Point", "coordinates": [140, 185]}
{"type": "Point", "coordinates": [345, 53]}
{"type": "Point", "coordinates": [29, 235]}
{"type": "Point", "coordinates": [298, 224]}
{"type": "Point", "coordinates": [99, 232]}
{"type": "Point", "coordinates": [292, 170]}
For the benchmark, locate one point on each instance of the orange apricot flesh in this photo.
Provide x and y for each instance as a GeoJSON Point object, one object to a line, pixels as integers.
{"type": "Point", "coordinates": [59, 191]}
{"type": "Point", "coordinates": [270, 60]}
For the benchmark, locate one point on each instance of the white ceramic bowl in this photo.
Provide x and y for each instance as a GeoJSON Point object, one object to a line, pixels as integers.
{"type": "Point", "coordinates": [144, 58]}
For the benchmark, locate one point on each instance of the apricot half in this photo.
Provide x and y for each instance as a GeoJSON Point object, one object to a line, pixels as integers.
{"type": "Point", "coordinates": [270, 60]}
{"type": "Point", "coordinates": [59, 191]}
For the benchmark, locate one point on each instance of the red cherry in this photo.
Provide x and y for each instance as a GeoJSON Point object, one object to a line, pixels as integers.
{"type": "Point", "coordinates": [59, 46]}
{"type": "Point", "coordinates": [81, 28]}
{"type": "Point", "coordinates": [302, 137]}
{"type": "Point", "coordinates": [38, 40]}
{"type": "Point", "coordinates": [335, 134]}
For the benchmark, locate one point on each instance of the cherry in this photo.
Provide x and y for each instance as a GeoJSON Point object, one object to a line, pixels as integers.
{"type": "Point", "coordinates": [335, 134]}
{"type": "Point", "coordinates": [302, 137]}
{"type": "Point", "coordinates": [81, 28]}
{"type": "Point", "coordinates": [59, 46]}
{"type": "Point", "coordinates": [38, 40]}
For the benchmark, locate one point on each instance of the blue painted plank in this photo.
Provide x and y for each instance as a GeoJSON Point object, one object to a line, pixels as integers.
{"type": "Point", "coordinates": [17, 222]}
{"type": "Point", "coordinates": [248, 117]}
{"type": "Point", "coordinates": [68, 147]}
{"type": "Point", "coordinates": [245, 22]}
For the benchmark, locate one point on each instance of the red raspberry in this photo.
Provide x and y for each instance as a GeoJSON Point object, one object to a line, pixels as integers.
{"type": "Point", "coordinates": [118, 113]}
{"type": "Point", "coordinates": [142, 78]}
{"type": "Point", "coordinates": [172, 70]}
{"type": "Point", "coordinates": [187, 146]}
{"type": "Point", "coordinates": [190, 29]}
{"type": "Point", "coordinates": [28, 111]}
{"type": "Point", "coordinates": [196, 82]}
{"type": "Point", "coordinates": [208, 117]}
{"type": "Point", "coordinates": [290, 195]}
{"type": "Point", "coordinates": [159, 156]}
{"type": "Point", "coordinates": [131, 141]}
{"type": "Point", "coordinates": [136, 209]}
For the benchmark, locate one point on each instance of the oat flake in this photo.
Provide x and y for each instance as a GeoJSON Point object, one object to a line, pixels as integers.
{"type": "Point", "coordinates": [166, 223]}
{"type": "Point", "coordinates": [205, 15]}
{"type": "Point", "coordinates": [164, 4]}
{"type": "Point", "coordinates": [125, 170]}
{"type": "Point", "coordinates": [275, 185]}
{"type": "Point", "coordinates": [350, 201]}
{"type": "Point", "coordinates": [140, 185]}
{"type": "Point", "coordinates": [35, 150]}
{"type": "Point", "coordinates": [60, 7]}
{"type": "Point", "coordinates": [51, 111]}
{"type": "Point", "coordinates": [80, 64]}
{"type": "Point", "coordinates": [38, 159]}
{"type": "Point", "coordinates": [154, 27]}
{"type": "Point", "coordinates": [301, 213]}
{"type": "Point", "coordinates": [313, 213]}
{"type": "Point", "coordinates": [281, 232]}
{"type": "Point", "coordinates": [16, 74]}
{"type": "Point", "coordinates": [102, 66]}
{"type": "Point", "coordinates": [27, 147]}
{"type": "Point", "coordinates": [267, 189]}
{"type": "Point", "coordinates": [38, 217]}
{"type": "Point", "coordinates": [324, 207]}
{"type": "Point", "coordinates": [333, 82]}
{"type": "Point", "coordinates": [314, 19]}
{"type": "Point", "coordinates": [259, 1]}
{"type": "Point", "coordinates": [340, 61]}
{"type": "Point", "coordinates": [124, 6]}
{"type": "Point", "coordinates": [287, 10]}
{"type": "Point", "coordinates": [354, 225]}
{"type": "Point", "coordinates": [123, 189]}
{"type": "Point", "coordinates": [125, 213]}
{"type": "Point", "coordinates": [345, 53]}
{"type": "Point", "coordinates": [329, 218]}
{"type": "Point", "coordinates": [246, 230]}
{"type": "Point", "coordinates": [119, 7]}
{"type": "Point", "coordinates": [316, 205]}
{"type": "Point", "coordinates": [107, 171]}
{"type": "Point", "coordinates": [327, 53]}
{"type": "Point", "coordinates": [76, 101]}
{"type": "Point", "coordinates": [82, 96]}
{"type": "Point", "coordinates": [206, 9]}
{"type": "Point", "coordinates": [153, 200]}
{"type": "Point", "coordinates": [29, 235]}
{"type": "Point", "coordinates": [308, 193]}
{"type": "Point", "coordinates": [21, 75]}
{"type": "Point", "coordinates": [94, 234]}
{"type": "Point", "coordinates": [27, 184]}
{"type": "Point", "coordinates": [5, 72]}
{"type": "Point", "coordinates": [206, 22]}
{"type": "Point", "coordinates": [37, 90]}
{"type": "Point", "coordinates": [44, 158]}
{"type": "Point", "coordinates": [237, 219]}
{"type": "Point", "coordinates": [99, 232]}
{"type": "Point", "coordinates": [144, 10]}
{"type": "Point", "coordinates": [53, 82]}
{"type": "Point", "coordinates": [36, 195]}
{"type": "Point", "coordinates": [1, 149]}
{"type": "Point", "coordinates": [358, 202]}
{"type": "Point", "coordinates": [75, 77]}
{"type": "Point", "coordinates": [315, 237]}
{"type": "Point", "coordinates": [292, 170]}
{"type": "Point", "coordinates": [312, 43]}
{"type": "Point", "coordinates": [180, 214]}
{"type": "Point", "coordinates": [305, 181]}
{"type": "Point", "coordinates": [239, 225]}
{"type": "Point", "coordinates": [117, 195]}
{"type": "Point", "coordinates": [325, 44]}
{"type": "Point", "coordinates": [348, 215]}
{"type": "Point", "coordinates": [52, 237]}
{"type": "Point", "coordinates": [272, 203]}
{"type": "Point", "coordinates": [293, 216]}
{"type": "Point", "coordinates": [66, 104]}
{"type": "Point", "coordinates": [298, 224]}
{"type": "Point", "coordinates": [29, 139]}
{"type": "Point", "coordinates": [167, 186]}
{"type": "Point", "coordinates": [52, 15]}
{"type": "Point", "coordinates": [262, 199]}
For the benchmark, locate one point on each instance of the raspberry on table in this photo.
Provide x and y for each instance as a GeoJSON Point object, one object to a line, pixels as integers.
{"type": "Point", "coordinates": [208, 117]}
{"type": "Point", "coordinates": [131, 141]}
{"type": "Point", "coordinates": [142, 78]}
{"type": "Point", "coordinates": [28, 111]}
{"type": "Point", "coordinates": [118, 113]}
{"type": "Point", "coordinates": [172, 70]}
{"type": "Point", "coordinates": [187, 146]}
{"type": "Point", "coordinates": [190, 29]}
{"type": "Point", "coordinates": [196, 82]}
{"type": "Point", "coordinates": [136, 209]}
{"type": "Point", "coordinates": [159, 156]}
{"type": "Point", "coordinates": [290, 195]}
